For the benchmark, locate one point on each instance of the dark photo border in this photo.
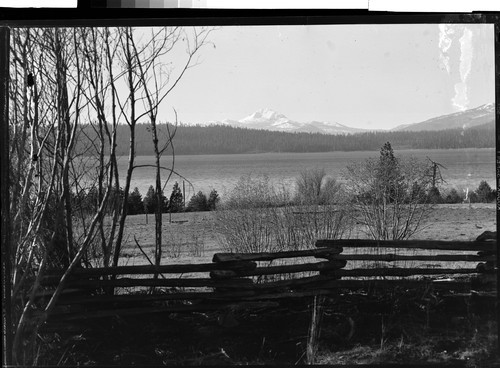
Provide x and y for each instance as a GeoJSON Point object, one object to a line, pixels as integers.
{"type": "Point", "coordinates": [95, 14]}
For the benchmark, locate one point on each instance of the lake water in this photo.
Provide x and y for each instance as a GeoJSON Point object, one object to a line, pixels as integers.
{"type": "Point", "coordinates": [465, 168]}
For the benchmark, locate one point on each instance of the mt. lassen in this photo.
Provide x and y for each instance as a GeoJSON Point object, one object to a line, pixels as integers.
{"type": "Point", "coordinates": [267, 119]}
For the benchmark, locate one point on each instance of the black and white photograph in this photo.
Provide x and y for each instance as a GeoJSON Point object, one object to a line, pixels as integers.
{"type": "Point", "coordinates": [286, 192]}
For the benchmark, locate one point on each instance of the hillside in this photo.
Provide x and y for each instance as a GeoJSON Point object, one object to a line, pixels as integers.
{"type": "Point", "coordinates": [460, 120]}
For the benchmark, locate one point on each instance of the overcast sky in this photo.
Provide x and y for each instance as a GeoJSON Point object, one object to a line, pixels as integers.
{"type": "Point", "coordinates": [366, 76]}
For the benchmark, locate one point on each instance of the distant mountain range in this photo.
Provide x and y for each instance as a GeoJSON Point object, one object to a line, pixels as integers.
{"type": "Point", "coordinates": [266, 119]}
{"type": "Point", "coordinates": [275, 133]}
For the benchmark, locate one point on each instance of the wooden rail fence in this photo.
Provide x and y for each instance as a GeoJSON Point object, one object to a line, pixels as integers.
{"type": "Point", "coordinates": [239, 280]}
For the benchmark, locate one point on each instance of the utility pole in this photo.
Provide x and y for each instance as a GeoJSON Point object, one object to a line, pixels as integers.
{"type": "Point", "coordinates": [4, 197]}
{"type": "Point", "coordinates": [183, 194]}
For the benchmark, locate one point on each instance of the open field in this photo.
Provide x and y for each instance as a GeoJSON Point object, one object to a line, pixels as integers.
{"type": "Point", "coordinates": [192, 237]}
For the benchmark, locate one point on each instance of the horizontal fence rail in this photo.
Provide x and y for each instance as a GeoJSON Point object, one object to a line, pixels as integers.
{"type": "Point", "coordinates": [272, 270]}
{"type": "Point", "coordinates": [418, 244]}
{"type": "Point", "coordinates": [418, 257]}
{"type": "Point", "coordinates": [403, 272]}
{"type": "Point", "coordinates": [268, 256]}
{"type": "Point", "coordinates": [150, 269]}
{"type": "Point", "coordinates": [257, 295]}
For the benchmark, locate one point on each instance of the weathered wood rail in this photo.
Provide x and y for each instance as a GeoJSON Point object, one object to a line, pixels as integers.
{"type": "Point", "coordinates": [239, 280]}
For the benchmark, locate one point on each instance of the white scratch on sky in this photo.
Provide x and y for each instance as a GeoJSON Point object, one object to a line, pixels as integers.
{"type": "Point", "coordinates": [461, 99]}
{"type": "Point", "coordinates": [445, 40]}
{"type": "Point", "coordinates": [449, 36]}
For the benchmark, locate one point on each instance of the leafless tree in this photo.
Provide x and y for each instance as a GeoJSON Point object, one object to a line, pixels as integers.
{"type": "Point", "coordinates": [67, 101]}
{"type": "Point", "coordinates": [389, 196]}
{"type": "Point", "coordinates": [157, 80]}
{"type": "Point", "coordinates": [46, 90]}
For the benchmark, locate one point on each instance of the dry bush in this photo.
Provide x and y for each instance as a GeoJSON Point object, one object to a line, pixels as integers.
{"type": "Point", "coordinates": [174, 243]}
{"type": "Point", "coordinates": [259, 218]}
{"type": "Point", "coordinates": [389, 196]}
{"type": "Point", "coordinates": [315, 187]}
{"type": "Point", "coordinates": [185, 238]}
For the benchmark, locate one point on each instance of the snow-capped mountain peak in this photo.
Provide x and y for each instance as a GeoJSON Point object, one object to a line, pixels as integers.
{"type": "Point", "coordinates": [269, 119]}
{"type": "Point", "coordinates": [264, 115]}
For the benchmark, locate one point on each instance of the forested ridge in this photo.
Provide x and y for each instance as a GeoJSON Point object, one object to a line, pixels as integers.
{"type": "Point", "coordinates": [223, 139]}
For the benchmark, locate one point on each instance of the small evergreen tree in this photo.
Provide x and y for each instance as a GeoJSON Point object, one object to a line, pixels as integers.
{"type": "Point", "coordinates": [198, 203]}
{"type": "Point", "coordinates": [453, 197]}
{"type": "Point", "coordinates": [213, 200]}
{"type": "Point", "coordinates": [176, 200]}
{"type": "Point", "coordinates": [473, 197]}
{"type": "Point", "coordinates": [388, 180]}
{"type": "Point", "coordinates": [434, 196]}
{"type": "Point", "coordinates": [135, 204]}
{"type": "Point", "coordinates": [484, 192]}
{"type": "Point", "coordinates": [150, 201]}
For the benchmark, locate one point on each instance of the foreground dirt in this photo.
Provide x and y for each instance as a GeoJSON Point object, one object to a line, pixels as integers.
{"type": "Point", "coordinates": [459, 221]}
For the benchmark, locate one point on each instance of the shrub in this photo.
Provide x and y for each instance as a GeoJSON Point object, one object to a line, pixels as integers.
{"type": "Point", "coordinates": [252, 192]}
{"type": "Point", "coordinates": [453, 197]}
{"type": "Point", "coordinates": [314, 187]}
{"type": "Point", "coordinates": [417, 193]}
{"type": "Point", "coordinates": [213, 200]}
{"type": "Point", "coordinates": [258, 218]}
{"type": "Point", "coordinates": [388, 194]}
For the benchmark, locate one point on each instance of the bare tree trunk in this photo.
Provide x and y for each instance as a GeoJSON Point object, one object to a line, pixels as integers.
{"type": "Point", "coordinates": [155, 91]}
{"type": "Point", "coordinates": [131, 121]}
{"type": "Point", "coordinates": [4, 174]}
{"type": "Point", "coordinates": [57, 75]}
{"type": "Point", "coordinates": [65, 124]}
{"type": "Point", "coordinates": [159, 198]}
{"type": "Point", "coordinates": [112, 142]}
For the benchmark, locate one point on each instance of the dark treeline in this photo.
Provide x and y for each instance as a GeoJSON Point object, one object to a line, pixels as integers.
{"type": "Point", "coordinates": [222, 139]}
{"type": "Point", "coordinates": [87, 202]}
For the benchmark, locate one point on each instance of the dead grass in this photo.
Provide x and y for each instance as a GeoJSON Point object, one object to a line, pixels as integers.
{"type": "Point", "coordinates": [421, 346]}
{"type": "Point", "coordinates": [196, 239]}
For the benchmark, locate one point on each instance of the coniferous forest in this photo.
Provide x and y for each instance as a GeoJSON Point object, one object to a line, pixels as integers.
{"type": "Point", "coordinates": [222, 139]}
